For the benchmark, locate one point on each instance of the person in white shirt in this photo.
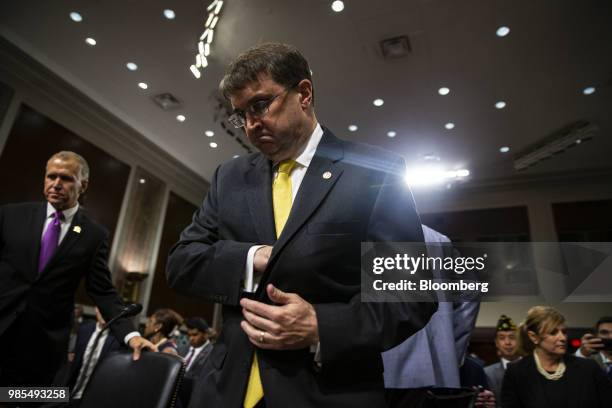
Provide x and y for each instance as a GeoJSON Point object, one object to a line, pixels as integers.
{"type": "Point", "coordinates": [200, 346]}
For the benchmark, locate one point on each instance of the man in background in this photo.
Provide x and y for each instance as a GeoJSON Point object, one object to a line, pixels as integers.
{"type": "Point", "coordinates": [593, 345]}
{"type": "Point", "coordinates": [506, 343]}
{"type": "Point", "coordinates": [88, 353]}
{"type": "Point", "coordinates": [45, 250]}
{"type": "Point", "coordinates": [200, 347]}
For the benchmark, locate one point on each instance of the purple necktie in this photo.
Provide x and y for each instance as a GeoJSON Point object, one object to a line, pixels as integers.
{"type": "Point", "coordinates": [50, 240]}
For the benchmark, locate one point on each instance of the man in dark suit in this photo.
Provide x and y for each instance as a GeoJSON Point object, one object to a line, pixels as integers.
{"type": "Point", "coordinates": [88, 353]}
{"type": "Point", "coordinates": [45, 250]}
{"type": "Point", "coordinates": [195, 359]}
{"type": "Point", "coordinates": [592, 345]}
{"type": "Point", "coordinates": [277, 243]}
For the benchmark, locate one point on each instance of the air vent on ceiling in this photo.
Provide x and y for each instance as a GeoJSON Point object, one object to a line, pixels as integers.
{"type": "Point", "coordinates": [561, 140]}
{"type": "Point", "coordinates": [396, 47]}
{"type": "Point", "coordinates": [167, 101]}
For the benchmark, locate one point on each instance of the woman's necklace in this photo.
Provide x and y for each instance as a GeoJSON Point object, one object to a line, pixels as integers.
{"type": "Point", "coordinates": [554, 376]}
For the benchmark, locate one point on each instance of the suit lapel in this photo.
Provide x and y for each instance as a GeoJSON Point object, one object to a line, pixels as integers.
{"type": "Point", "coordinates": [259, 196]}
{"type": "Point", "coordinates": [318, 181]}
{"type": "Point", "coordinates": [35, 228]}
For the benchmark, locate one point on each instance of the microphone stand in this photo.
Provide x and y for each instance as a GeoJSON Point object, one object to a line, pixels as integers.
{"type": "Point", "coordinates": [129, 310]}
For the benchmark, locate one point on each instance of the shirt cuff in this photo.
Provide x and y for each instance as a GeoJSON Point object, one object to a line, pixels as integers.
{"type": "Point", "coordinates": [579, 354]}
{"type": "Point", "coordinates": [251, 282]}
{"type": "Point", "coordinates": [316, 349]}
{"type": "Point", "coordinates": [129, 336]}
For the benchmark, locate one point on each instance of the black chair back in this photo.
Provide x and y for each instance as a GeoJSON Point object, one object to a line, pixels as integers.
{"type": "Point", "coordinates": [119, 382]}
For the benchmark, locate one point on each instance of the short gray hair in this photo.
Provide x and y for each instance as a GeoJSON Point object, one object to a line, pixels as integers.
{"type": "Point", "coordinates": [68, 155]}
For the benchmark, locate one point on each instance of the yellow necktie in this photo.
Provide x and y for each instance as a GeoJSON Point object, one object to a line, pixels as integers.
{"type": "Point", "coordinates": [281, 201]}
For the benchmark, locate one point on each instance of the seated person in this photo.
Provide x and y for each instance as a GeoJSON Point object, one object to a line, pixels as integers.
{"type": "Point", "coordinates": [159, 328]}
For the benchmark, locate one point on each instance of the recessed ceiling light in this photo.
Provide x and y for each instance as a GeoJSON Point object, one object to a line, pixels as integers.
{"type": "Point", "coordinates": [76, 17]}
{"type": "Point", "coordinates": [142, 181]}
{"type": "Point", "coordinates": [504, 149]}
{"type": "Point", "coordinates": [169, 14]}
{"type": "Point", "coordinates": [353, 128]}
{"type": "Point", "coordinates": [337, 6]}
{"type": "Point", "coordinates": [578, 141]}
{"type": "Point", "coordinates": [209, 133]}
{"type": "Point", "coordinates": [180, 118]}
{"type": "Point", "coordinates": [90, 41]}
{"type": "Point", "coordinates": [503, 31]}
{"type": "Point", "coordinates": [449, 125]}
{"type": "Point", "coordinates": [378, 102]}
{"type": "Point", "coordinates": [589, 90]}
{"type": "Point", "coordinates": [131, 66]}
{"type": "Point", "coordinates": [500, 104]}
{"type": "Point", "coordinates": [236, 156]}
{"type": "Point", "coordinates": [444, 91]}
{"type": "Point", "coordinates": [213, 145]}
{"type": "Point", "coordinates": [391, 133]}
{"type": "Point", "coordinates": [143, 85]}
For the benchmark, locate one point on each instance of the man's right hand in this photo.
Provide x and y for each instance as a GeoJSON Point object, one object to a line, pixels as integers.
{"type": "Point", "coordinates": [590, 345]}
{"type": "Point", "coordinates": [261, 258]}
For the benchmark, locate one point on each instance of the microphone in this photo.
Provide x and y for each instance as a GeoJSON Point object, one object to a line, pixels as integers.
{"type": "Point", "coordinates": [128, 311]}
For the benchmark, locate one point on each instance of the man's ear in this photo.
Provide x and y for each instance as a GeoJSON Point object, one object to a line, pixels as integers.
{"type": "Point", "coordinates": [84, 185]}
{"type": "Point", "coordinates": [305, 91]}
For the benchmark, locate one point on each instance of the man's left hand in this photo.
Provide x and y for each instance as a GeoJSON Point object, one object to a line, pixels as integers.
{"type": "Point", "coordinates": [138, 343]}
{"type": "Point", "coordinates": [290, 324]}
{"type": "Point", "coordinates": [486, 399]}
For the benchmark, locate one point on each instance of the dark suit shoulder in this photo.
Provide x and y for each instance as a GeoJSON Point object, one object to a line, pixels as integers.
{"type": "Point", "coordinates": [581, 363]}
{"type": "Point", "coordinates": [13, 208]}
{"type": "Point", "coordinates": [83, 217]}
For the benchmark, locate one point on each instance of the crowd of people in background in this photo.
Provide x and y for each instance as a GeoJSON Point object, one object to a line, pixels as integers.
{"type": "Point", "coordinates": [190, 339]}
{"type": "Point", "coordinates": [535, 368]}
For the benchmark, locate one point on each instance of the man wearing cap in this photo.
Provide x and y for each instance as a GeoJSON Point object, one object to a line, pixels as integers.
{"type": "Point", "coordinates": [506, 343]}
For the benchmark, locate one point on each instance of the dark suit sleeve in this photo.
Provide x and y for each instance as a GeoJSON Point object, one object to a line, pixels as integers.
{"type": "Point", "coordinates": [200, 258]}
{"type": "Point", "coordinates": [361, 328]}
{"type": "Point", "coordinates": [603, 386]}
{"type": "Point", "coordinates": [510, 388]}
{"type": "Point", "coordinates": [99, 286]}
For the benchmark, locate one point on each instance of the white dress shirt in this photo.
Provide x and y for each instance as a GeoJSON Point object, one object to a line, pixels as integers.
{"type": "Point", "coordinates": [94, 360]}
{"type": "Point", "coordinates": [65, 221]}
{"type": "Point", "coordinates": [195, 352]}
{"type": "Point", "coordinates": [297, 175]}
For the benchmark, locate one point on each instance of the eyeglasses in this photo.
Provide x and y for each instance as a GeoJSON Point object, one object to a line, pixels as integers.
{"type": "Point", "coordinates": [257, 109]}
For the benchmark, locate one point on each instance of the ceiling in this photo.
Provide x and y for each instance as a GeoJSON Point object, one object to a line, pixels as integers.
{"type": "Point", "coordinates": [554, 50]}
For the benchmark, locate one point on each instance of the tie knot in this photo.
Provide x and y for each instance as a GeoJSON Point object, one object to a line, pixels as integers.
{"type": "Point", "coordinates": [286, 166]}
{"type": "Point", "coordinates": [58, 215]}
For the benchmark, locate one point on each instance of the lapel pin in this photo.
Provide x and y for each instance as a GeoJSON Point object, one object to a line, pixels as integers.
{"type": "Point", "coordinates": [327, 175]}
{"type": "Point", "coordinates": [77, 229]}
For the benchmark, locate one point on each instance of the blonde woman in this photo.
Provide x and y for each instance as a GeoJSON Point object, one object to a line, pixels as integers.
{"type": "Point", "coordinates": [547, 376]}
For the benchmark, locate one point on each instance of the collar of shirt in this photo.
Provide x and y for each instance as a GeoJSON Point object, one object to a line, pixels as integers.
{"type": "Point", "coordinates": [68, 214]}
{"type": "Point", "coordinates": [505, 362]}
{"type": "Point", "coordinates": [305, 158]}
{"type": "Point", "coordinates": [605, 358]}
{"type": "Point", "coordinates": [303, 161]}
